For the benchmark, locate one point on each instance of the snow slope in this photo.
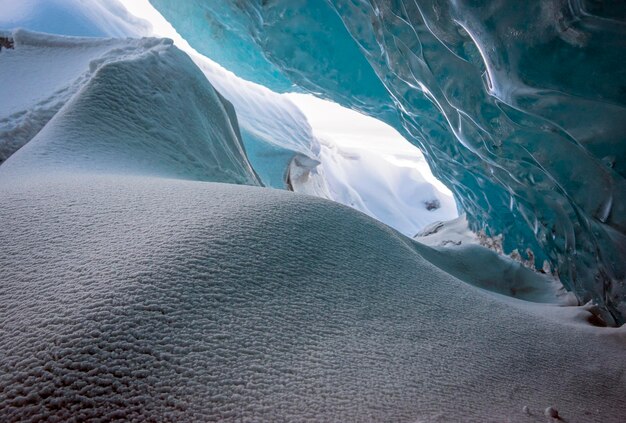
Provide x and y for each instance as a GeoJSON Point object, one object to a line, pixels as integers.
{"type": "Point", "coordinates": [141, 298]}
{"type": "Point", "coordinates": [272, 129]}
{"type": "Point", "coordinates": [139, 106]}
{"type": "Point", "coordinates": [41, 76]}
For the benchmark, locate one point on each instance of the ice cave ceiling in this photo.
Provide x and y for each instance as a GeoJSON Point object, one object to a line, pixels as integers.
{"type": "Point", "coordinates": [520, 107]}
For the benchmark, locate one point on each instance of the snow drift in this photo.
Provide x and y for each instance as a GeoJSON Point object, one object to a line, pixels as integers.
{"type": "Point", "coordinates": [135, 288]}
{"type": "Point", "coordinates": [128, 106]}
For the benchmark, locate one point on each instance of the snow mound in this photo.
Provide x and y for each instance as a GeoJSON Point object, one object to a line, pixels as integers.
{"type": "Point", "coordinates": [117, 106]}
{"type": "Point", "coordinates": [480, 261]}
{"type": "Point", "coordinates": [152, 299]}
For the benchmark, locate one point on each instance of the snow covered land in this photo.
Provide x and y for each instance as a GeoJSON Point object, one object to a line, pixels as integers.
{"type": "Point", "coordinates": [155, 267]}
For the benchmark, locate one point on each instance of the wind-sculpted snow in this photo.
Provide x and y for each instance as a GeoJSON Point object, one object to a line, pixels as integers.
{"type": "Point", "coordinates": [143, 299]}
{"type": "Point", "coordinates": [116, 106]}
{"type": "Point", "coordinates": [518, 106]}
{"type": "Point", "coordinates": [273, 129]}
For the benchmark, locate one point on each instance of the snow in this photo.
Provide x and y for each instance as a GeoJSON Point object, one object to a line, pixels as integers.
{"type": "Point", "coordinates": [110, 105]}
{"type": "Point", "coordinates": [93, 18]}
{"type": "Point", "coordinates": [135, 287]}
{"type": "Point", "coordinates": [369, 166]}
{"type": "Point", "coordinates": [480, 261]}
{"type": "Point", "coordinates": [180, 300]}
{"type": "Point", "coordinates": [41, 78]}
{"type": "Point", "coordinates": [518, 107]}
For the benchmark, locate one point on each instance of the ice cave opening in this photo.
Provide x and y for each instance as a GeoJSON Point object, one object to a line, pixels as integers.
{"type": "Point", "coordinates": [437, 235]}
{"type": "Point", "coordinates": [369, 166]}
{"type": "Point", "coordinates": [360, 162]}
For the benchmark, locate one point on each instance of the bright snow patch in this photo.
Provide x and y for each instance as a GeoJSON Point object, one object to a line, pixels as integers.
{"type": "Point", "coordinates": [367, 165]}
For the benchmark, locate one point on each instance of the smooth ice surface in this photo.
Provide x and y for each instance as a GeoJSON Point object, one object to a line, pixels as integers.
{"type": "Point", "coordinates": [519, 107]}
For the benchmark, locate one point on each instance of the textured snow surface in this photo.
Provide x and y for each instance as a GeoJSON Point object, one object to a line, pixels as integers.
{"type": "Point", "coordinates": [137, 298]}
{"type": "Point", "coordinates": [129, 105]}
{"type": "Point", "coordinates": [519, 106]}
{"type": "Point", "coordinates": [40, 75]}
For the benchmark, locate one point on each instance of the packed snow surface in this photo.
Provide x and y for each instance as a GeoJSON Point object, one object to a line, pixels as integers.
{"type": "Point", "coordinates": [148, 298]}
{"type": "Point", "coordinates": [134, 105]}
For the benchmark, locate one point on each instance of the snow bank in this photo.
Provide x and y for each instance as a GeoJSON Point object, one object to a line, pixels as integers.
{"type": "Point", "coordinates": [40, 74]}
{"type": "Point", "coordinates": [480, 261]}
{"type": "Point", "coordinates": [120, 106]}
{"type": "Point", "coordinates": [153, 299]}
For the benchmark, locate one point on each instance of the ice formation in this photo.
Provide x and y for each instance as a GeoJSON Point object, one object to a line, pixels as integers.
{"type": "Point", "coordinates": [519, 107]}
{"type": "Point", "coordinates": [136, 287]}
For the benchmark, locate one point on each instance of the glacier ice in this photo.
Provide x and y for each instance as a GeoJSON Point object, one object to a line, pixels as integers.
{"type": "Point", "coordinates": [133, 289]}
{"type": "Point", "coordinates": [518, 106]}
